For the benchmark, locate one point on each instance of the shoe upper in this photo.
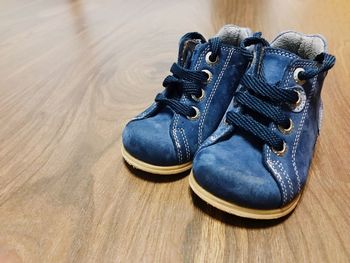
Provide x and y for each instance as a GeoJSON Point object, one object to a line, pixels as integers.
{"type": "Point", "coordinates": [261, 152]}
{"type": "Point", "coordinates": [194, 100]}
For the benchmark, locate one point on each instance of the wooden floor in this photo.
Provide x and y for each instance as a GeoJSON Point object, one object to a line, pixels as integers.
{"type": "Point", "coordinates": [72, 73]}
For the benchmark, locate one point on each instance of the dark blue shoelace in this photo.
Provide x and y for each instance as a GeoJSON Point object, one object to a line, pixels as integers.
{"type": "Point", "coordinates": [188, 82]}
{"type": "Point", "coordinates": [267, 101]}
{"type": "Point", "coordinates": [185, 81]}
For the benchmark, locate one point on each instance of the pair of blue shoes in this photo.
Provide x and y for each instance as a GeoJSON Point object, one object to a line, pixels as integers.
{"type": "Point", "coordinates": [243, 113]}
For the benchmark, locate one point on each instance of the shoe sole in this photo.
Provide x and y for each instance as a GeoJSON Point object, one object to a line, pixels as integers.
{"type": "Point", "coordinates": [239, 210]}
{"type": "Point", "coordinates": [154, 169]}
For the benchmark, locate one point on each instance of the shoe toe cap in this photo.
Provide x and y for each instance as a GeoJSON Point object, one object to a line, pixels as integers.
{"type": "Point", "coordinates": [149, 140]}
{"type": "Point", "coordinates": [236, 176]}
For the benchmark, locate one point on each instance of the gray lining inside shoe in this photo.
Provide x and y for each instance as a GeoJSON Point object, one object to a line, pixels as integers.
{"type": "Point", "coordinates": [305, 46]}
{"type": "Point", "coordinates": [233, 35]}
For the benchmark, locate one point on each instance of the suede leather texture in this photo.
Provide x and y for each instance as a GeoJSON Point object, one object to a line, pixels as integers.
{"type": "Point", "coordinates": [235, 167]}
{"type": "Point", "coordinates": [159, 136]}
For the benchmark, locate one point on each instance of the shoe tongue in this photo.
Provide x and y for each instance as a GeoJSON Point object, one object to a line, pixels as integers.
{"type": "Point", "coordinates": [273, 64]}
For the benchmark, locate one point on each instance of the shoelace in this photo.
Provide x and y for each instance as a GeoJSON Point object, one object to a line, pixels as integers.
{"type": "Point", "coordinates": [188, 82]}
{"type": "Point", "coordinates": [185, 81]}
{"type": "Point", "coordinates": [267, 101]}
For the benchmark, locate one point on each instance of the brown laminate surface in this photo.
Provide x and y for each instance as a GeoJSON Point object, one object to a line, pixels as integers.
{"type": "Point", "coordinates": [72, 73]}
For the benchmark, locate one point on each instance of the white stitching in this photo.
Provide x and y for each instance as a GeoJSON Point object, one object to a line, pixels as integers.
{"type": "Point", "coordinates": [187, 147]}
{"type": "Point", "coordinates": [212, 93]}
{"type": "Point", "coordinates": [269, 161]}
{"type": "Point", "coordinates": [177, 143]}
{"type": "Point", "coordinates": [280, 52]}
{"type": "Point", "coordinates": [177, 116]}
{"type": "Point", "coordinates": [281, 168]}
{"type": "Point", "coordinates": [301, 125]}
{"type": "Point", "coordinates": [279, 178]}
{"type": "Point", "coordinates": [288, 178]}
{"type": "Point", "coordinates": [199, 61]}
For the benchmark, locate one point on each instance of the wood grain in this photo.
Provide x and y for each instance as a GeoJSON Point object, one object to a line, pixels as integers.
{"type": "Point", "coordinates": [72, 73]}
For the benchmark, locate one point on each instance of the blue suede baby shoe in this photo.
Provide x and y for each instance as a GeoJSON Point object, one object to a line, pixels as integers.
{"type": "Point", "coordinates": [256, 163]}
{"type": "Point", "coordinates": [164, 138]}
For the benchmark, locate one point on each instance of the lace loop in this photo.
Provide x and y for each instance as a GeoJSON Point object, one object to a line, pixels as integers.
{"type": "Point", "coordinates": [188, 75]}
{"type": "Point", "coordinates": [185, 81]}
{"type": "Point", "coordinates": [327, 62]}
{"type": "Point", "coordinates": [176, 105]}
{"type": "Point", "coordinates": [255, 39]}
{"type": "Point", "coordinates": [188, 82]}
{"type": "Point", "coordinates": [267, 110]}
{"type": "Point", "coordinates": [215, 48]}
{"type": "Point", "coordinates": [266, 90]}
{"type": "Point", "coordinates": [267, 100]}
{"type": "Point", "coordinates": [254, 127]}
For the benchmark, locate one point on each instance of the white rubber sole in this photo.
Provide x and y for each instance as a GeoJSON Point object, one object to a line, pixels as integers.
{"type": "Point", "coordinates": [239, 210]}
{"type": "Point", "coordinates": [154, 169]}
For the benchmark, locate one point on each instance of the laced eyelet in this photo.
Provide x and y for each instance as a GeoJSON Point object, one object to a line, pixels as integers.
{"type": "Point", "coordinates": [288, 129]}
{"type": "Point", "coordinates": [209, 61]}
{"type": "Point", "coordinates": [280, 152]}
{"type": "Point", "coordinates": [296, 76]}
{"type": "Point", "coordinates": [196, 116]}
{"type": "Point", "coordinates": [210, 75]}
{"type": "Point", "coordinates": [224, 121]}
{"type": "Point", "coordinates": [195, 98]}
{"type": "Point", "coordinates": [299, 105]}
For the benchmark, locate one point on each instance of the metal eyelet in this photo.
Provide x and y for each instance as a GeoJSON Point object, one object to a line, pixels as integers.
{"type": "Point", "coordinates": [196, 116]}
{"type": "Point", "coordinates": [210, 75]}
{"type": "Point", "coordinates": [296, 76]}
{"type": "Point", "coordinates": [209, 61]}
{"type": "Point", "coordinates": [280, 152]}
{"type": "Point", "coordinates": [224, 121]}
{"type": "Point", "coordinates": [298, 102]}
{"type": "Point", "coordinates": [288, 129]}
{"type": "Point", "coordinates": [195, 98]}
{"type": "Point", "coordinates": [299, 105]}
